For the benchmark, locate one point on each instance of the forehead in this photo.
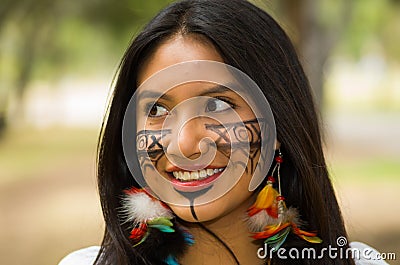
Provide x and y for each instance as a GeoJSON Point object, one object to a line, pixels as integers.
{"type": "Point", "coordinates": [190, 66]}
{"type": "Point", "coordinates": [177, 50]}
{"type": "Point", "coordinates": [187, 90]}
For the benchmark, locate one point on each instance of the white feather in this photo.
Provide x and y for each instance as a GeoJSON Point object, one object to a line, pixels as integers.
{"type": "Point", "coordinates": [140, 207]}
{"type": "Point", "coordinates": [260, 220]}
{"type": "Point", "coordinates": [257, 222]}
{"type": "Point", "coordinates": [291, 215]}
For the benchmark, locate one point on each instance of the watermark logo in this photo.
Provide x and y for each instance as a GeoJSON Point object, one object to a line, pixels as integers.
{"type": "Point", "coordinates": [341, 241]}
{"type": "Point", "coordinates": [340, 251]}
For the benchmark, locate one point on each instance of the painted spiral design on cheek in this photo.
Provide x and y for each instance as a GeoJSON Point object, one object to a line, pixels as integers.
{"type": "Point", "coordinates": [196, 127]}
{"type": "Point", "coordinates": [242, 134]}
{"type": "Point", "coordinates": [141, 142]}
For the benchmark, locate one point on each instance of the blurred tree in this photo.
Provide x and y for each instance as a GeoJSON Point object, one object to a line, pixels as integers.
{"type": "Point", "coordinates": [324, 26]}
{"type": "Point", "coordinates": [120, 18]}
{"type": "Point", "coordinates": [373, 22]}
{"type": "Point", "coordinates": [318, 26]}
{"type": "Point", "coordinates": [32, 18]}
{"type": "Point", "coordinates": [5, 8]}
{"type": "Point", "coordinates": [44, 38]}
{"type": "Point", "coordinates": [59, 37]}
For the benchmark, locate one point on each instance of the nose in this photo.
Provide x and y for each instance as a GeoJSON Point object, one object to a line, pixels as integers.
{"type": "Point", "coordinates": [186, 140]}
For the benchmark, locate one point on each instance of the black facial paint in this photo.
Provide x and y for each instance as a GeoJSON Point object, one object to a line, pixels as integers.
{"type": "Point", "coordinates": [149, 147]}
{"type": "Point", "coordinates": [246, 133]}
{"type": "Point", "coordinates": [191, 196]}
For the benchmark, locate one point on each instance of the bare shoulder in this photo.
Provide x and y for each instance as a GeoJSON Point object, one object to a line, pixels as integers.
{"type": "Point", "coordinates": [84, 256]}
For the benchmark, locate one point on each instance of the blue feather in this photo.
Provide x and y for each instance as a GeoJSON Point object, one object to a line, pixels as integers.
{"type": "Point", "coordinates": [171, 260]}
{"type": "Point", "coordinates": [189, 239]}
{"type": "Point", "coordinates": [163, 228]}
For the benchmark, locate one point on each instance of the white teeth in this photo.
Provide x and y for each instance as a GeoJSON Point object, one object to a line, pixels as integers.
{"type": "Point", "coordinates": [203, 173]}
{"type": "Point", "coordinates": [186, 175]}
{"type": "Point", "coordinates": [195, 175]}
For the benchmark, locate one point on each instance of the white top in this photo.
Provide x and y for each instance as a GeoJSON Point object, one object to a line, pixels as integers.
{"type": "Point", "coordinates": [84, 256]}
{"type": "Point", "coordinates": [362, 254]}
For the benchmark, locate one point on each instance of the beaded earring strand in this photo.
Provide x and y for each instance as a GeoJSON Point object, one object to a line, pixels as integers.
{"type": "Point", "coordinates": [269, 218]}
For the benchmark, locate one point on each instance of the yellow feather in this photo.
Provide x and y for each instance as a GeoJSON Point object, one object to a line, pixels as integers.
{"type": "Point", "coordinates": [266, 197]}
{"type": "Point", "coordinates": [313, 239]}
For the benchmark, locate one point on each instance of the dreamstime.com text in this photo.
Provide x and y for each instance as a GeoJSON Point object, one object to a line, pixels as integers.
{"type": "Point", "coordinates": [332, 252]}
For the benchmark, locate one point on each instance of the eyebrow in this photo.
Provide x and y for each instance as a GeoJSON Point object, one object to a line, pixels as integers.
{"type": "Point", "coordinates": [216, 89]}
{"type": "Point", "coordinates": [213, 90]}
{"type": "Point", "coordinates": [154, 94]}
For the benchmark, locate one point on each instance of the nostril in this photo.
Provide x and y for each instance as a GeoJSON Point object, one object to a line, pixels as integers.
{"type": "Point", "coordinates": [205, 144]}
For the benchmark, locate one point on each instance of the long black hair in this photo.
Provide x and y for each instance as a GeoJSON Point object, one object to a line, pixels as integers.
{"type": "Point", "coordinates": [250, 40]}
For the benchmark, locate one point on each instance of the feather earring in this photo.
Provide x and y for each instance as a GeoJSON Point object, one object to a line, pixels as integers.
{"type": "Point", "coordinates": [269, 218]}
{"type": "Point", "coordinates": [149, 217]}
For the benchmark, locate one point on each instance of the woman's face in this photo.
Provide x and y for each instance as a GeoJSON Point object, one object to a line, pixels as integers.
{"type": "Point", "coordinates": [193, 137]}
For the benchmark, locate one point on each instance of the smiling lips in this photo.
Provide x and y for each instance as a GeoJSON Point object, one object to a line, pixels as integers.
{"type": "Point", "coordinates": [196, 175]}
{"type": "Point", "coordinates": [191, 181]}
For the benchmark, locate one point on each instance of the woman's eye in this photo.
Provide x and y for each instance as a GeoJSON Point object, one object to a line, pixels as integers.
{"type": "Point", "coordinates": [216, 105]}
{"type": "Point", "coordinates": [157, 111]}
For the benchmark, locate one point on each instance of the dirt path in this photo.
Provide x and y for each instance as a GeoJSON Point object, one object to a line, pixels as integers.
{"type": "Point", "coordinates": [50, 215]}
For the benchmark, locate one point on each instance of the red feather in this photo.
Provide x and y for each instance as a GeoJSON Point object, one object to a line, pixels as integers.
{"type": "Point", "coordinates": [138, 232]}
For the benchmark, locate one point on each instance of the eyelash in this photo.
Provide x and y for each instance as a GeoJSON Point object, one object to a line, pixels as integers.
{"type": "Point", "coordinates": [149, 106]}
{"type": "Point", "coordinates": [228, 101]}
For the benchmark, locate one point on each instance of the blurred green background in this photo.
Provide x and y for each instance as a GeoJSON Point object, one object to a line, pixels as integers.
{"type": "Point", "coordinates": [57, 61]}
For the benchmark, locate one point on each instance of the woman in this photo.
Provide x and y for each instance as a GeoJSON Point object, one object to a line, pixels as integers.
{"type": "Point", "coordinates": [193, 212]}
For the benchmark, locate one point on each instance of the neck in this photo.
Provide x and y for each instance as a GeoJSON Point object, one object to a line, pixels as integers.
{"type": "Point", "coordinates": [232, 230]}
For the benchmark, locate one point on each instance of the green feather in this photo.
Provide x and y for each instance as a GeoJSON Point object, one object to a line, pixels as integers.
{"type": "Point", "coordinates": [142, 240]}
{"type": "Point", "coordinates": [160, 221]}
{"type": "Point", "coordinates": [277, 240]}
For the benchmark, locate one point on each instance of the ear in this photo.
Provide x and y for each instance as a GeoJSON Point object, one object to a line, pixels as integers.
{"type": "Point", "coordinates": [277, 144]}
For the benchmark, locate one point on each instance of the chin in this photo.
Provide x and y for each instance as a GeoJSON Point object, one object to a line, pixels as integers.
{"type": "Point", "coordinates": [204, 213]}
{"type": "Point", "coordinates": [234, 200]}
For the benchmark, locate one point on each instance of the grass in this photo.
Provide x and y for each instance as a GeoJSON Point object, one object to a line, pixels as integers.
{"type": "Point", "coordinates": [368, 170]}
{"type": "Point", "coordinates": [25, 153]}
